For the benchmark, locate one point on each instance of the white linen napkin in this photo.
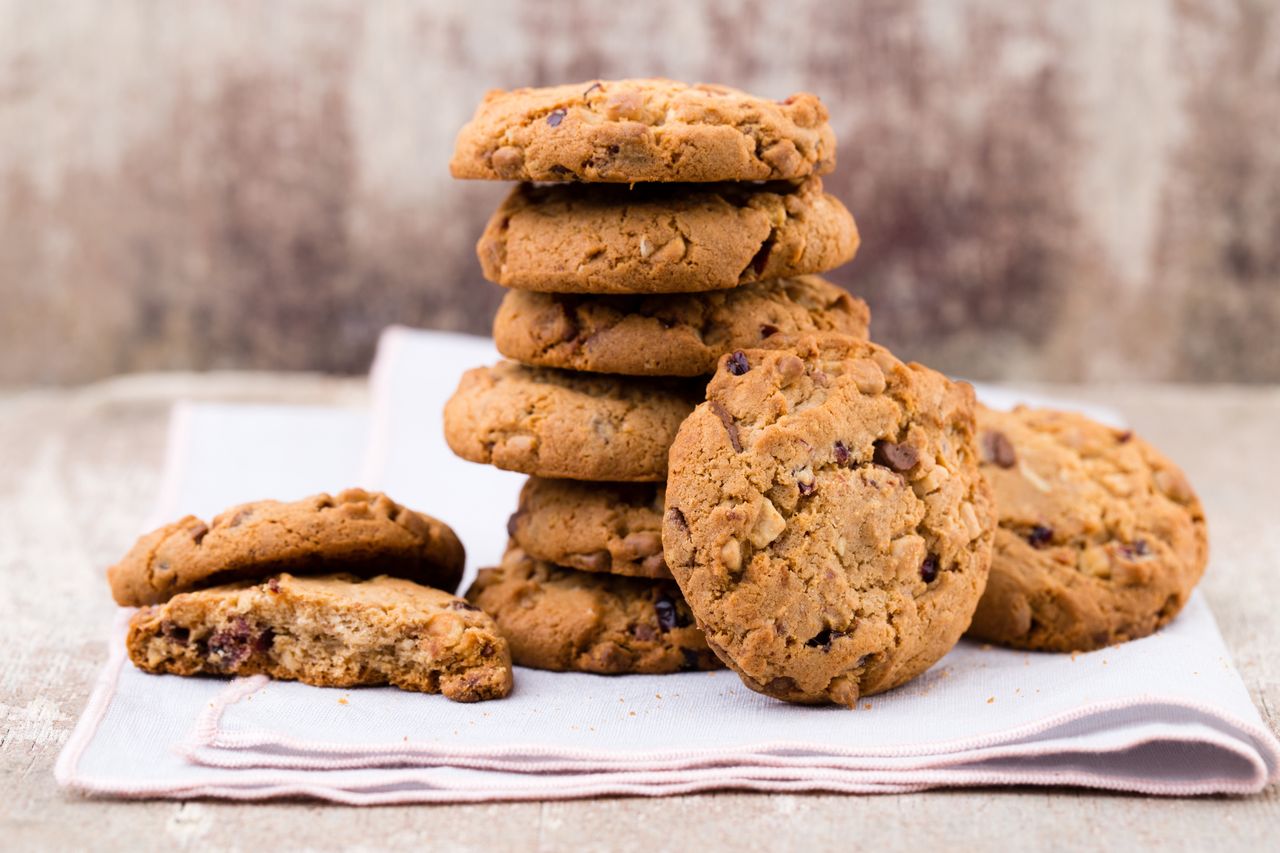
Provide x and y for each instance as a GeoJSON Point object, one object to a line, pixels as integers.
{"type": "Point", "coordinates": [1164, 715]}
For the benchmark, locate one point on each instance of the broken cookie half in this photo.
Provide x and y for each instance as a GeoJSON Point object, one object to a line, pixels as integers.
{"type": "Point", "coordinates": [330, 631]}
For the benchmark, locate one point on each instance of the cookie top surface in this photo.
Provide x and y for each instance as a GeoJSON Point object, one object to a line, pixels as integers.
{"type": "Point", "coordinates": [330, 630]}
{"type": "Point", "coordinates": [1101, 538]}
{"type": "Point", "coordinates": [659, 238]}
{"type": "Point", "coordinates": [680, 335]}
{"type": "Point", "coordinates": [363, 533]}
{"type": "Point", "coordinates": [565, 620]}
{"type": "Point", "coordinates": [625, 131]}
{"type": "Point", "coordinates": [826, 519]}
{"type": "Point", "coordinates": [592, 527]}
{"type": "Point", "coordinates": [553, 423]}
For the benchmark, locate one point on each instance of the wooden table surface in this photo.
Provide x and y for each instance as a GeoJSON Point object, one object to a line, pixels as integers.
{"type": "Point", "coordinates": [78, 473]}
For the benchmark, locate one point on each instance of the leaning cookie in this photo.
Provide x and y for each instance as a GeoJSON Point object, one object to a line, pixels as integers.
{"type": "Point", "coordinates": [826, 519]}
{"type": "Point", "coordinates": [1101, 538]}
{"type": "Point", "coordinates": [565, 620]}
{"type": "Point", "coordinates": [663, 238]}
{"type": "Point", "coordinates": [594, 527]}
{"type": "Point", "coordinates": [329, 631]}
{"type": "Point", "coordinates": [627, 131]}
{"type": "Point", "coordinates": [679, 335]}
{"type": "Point", "coordinates": [553, 423]}
{"type": "Point", "coordinates": [359, 532]}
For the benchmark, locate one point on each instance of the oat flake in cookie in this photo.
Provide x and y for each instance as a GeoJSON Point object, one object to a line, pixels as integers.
{"type": "Point", "coordinates": [358, 532]}
{"type": "Point", "coordinates": [330, 631]}
{"type": "Point", "coordinates": [1101, 538]}
{"type": "Point", "coordinates": [626, 131]}
{"type": "Point", "coordinates": [826, 519]}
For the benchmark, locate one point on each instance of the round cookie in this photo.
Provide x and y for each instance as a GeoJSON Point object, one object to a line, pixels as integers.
{"type": "Point", "coordinates": [662, 238]}
{"type": "Point", "coordinates": [826, 519]}
{"type": "Point", "coordinates": [627, 131]}
{"type": "Point", "coordinates": [564, 620]}
{"type": "Point", "coordinates": [681, 335]}
{"type": "Point", "coordinates": [592, 527]}
{"type": "Point", "coordinates": [1101, 538]}
{"type": "Point", "coordinates": [552, 423]}
{"type": "Point", "coordinates": [359, 532]}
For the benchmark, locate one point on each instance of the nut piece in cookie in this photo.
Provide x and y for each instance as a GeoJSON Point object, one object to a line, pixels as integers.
{"type": "Point", "coordinates": [663, 238]}
{"type": "Point", "coordinates": [593, 527]}
{"type": "Point", "coordinates": [329, 631]}
{"type": "Point", "coordinates": [565, 620]}
{"type": "Point", "coordinates": [357, 532]}
{"type": "Point", "coordinates": [627, 131]}
{"type": "Point", "coordinates": [679, 335]}
{"type": "Point", "coordinates": [553, 423]}
{"type": "Point", "coordinates": [826, 519]}
{"type": "Point", "coordinates": [1101, 538]}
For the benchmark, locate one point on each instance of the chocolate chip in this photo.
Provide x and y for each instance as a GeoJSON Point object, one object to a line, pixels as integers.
{"type": "Point", "coordinates": [175, 632]}
{"type": "Point", "coordinates": [929, 569]}
{"type": "Point", "coordinates": [233, 644]}
{"type": "Point", "coordinates": [642, 632]}
{"type": "Point", "coordinates": [822, 640]}
{"type": "Point", "coordinates": [729, 426]}
{"type": "Point", "coordinates": [668, 618]}
{"type": "Point", "coordinates": [676, 517]}
{"type": "Point", "coordinates": [692, 660]}
{"type": "Point", "coordinates": [555, 117]}
{"type": "Point", "coordinates": [239, 517]}
{"type": "Point", "coordinates": [806, 489]}
{"type": "Point", "coordinates": [1137, 549]}
{"type": "Point", "coordinates": [761, 259]}
{"type": "Point", "coordinates": [1124, 437]}
{"type": "Point", "coordinates": [263, 644]}
{"type": "Point", "coordinates": [998, 449]}
{"type": "Point", "coordinates": [1039, 536]}
{"type": "Point", "coordinates": [198, 534]}
{"type": "Point", "coordinates": [592, 88]}
{"type": "Point", "coordinates": [513, 522]}
{"type": "Point", "coordinates": [767, 329]}
{"type": "Point", "coordinates": [841, 453]}
{"type": "Point", "coordinates": [486, 650]}
{"type": "Point", "coordinates": [896, 457]}
{"type": "Point", "coordinates": [737, 363]}
{"type": "Point", "coordinates": [274, 584]}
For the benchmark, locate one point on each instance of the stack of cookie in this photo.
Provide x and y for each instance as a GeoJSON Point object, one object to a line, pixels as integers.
{"type": "Point", "coordinates": [657, 228]}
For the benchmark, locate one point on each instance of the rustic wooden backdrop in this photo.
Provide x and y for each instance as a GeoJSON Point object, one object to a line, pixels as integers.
{"type": "Point", "coordinates": [1077, 189]}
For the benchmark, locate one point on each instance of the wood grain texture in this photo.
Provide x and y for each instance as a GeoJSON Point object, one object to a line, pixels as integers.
{"type": "Point", "coordinates": [1070, 189]}
{"type": "Point", "coordinates": [80, 469]}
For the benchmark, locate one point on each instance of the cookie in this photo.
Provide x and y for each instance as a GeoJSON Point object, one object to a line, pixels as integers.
{"type": "Point", "coordinates": [592, 527]}
{"type": "Point", "coordinates": [552, 423]}
{"type": "Point", "coordinates": [358, 532]}
{"type": "Point", "coordinates": [663, 238]}
{"type": "Point", "coordinates": [330, 631]}
{"type": "Point", "coordinates": [826, 519]}
{"type": "Point", "coordinates": [1101, 538]}
{"type": "Point", "coordinates": [565, 620]}
{"type": "Point", "coordinates": [681, 335]}
{"type": "Point", "coordinates": [627, 131]}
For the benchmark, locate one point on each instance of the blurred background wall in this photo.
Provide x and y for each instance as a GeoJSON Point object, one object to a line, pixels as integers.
{"type": "Point", "coordinates": [1079, 189]}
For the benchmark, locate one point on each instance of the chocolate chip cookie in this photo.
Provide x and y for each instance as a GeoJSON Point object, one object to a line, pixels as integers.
{"type": "Point", "coordinates": [593, 527]}
{"type": "Point", "coordinates": [627, 131]}
{"type": "Point", "coordinates": [565, 620]}
{"type": "Point", "coordinates": [662, 238]}
{"type": "Point", "coordinates": [553, 423]}
{"type": "Point", "coordinates": [359, 532]}
{"type": "Point", "coordinates": [330, 631]}
{"type": "Point", "coordinates": [1101, 538]}
{"type": "Point", "coordinates": [678, 335]}
{"type": "Point", "coordinates": [826, 519]}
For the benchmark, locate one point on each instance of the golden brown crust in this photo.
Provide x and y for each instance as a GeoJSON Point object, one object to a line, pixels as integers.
{"type": "Point", "coordinates": [592, 527]}
{"type": "Point", "coordinates": [660, 238]}
{"type": "Point", "coordinates": [679, 335]}
{"type": "Point", "coordinates": [553, 423]}
{"type": "Point", "coordinates": [826, 519]}
{"type": "Point", "coordinates": [1101, 538]}
{"type": "Point", "coordinates": [330, 631]}
{"type": "Point", "coordinates": [363, 533]}
{"type": "Point", "coordinates": [564, 620]}
{"type": "Point", "coordinates": [627, 131]}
